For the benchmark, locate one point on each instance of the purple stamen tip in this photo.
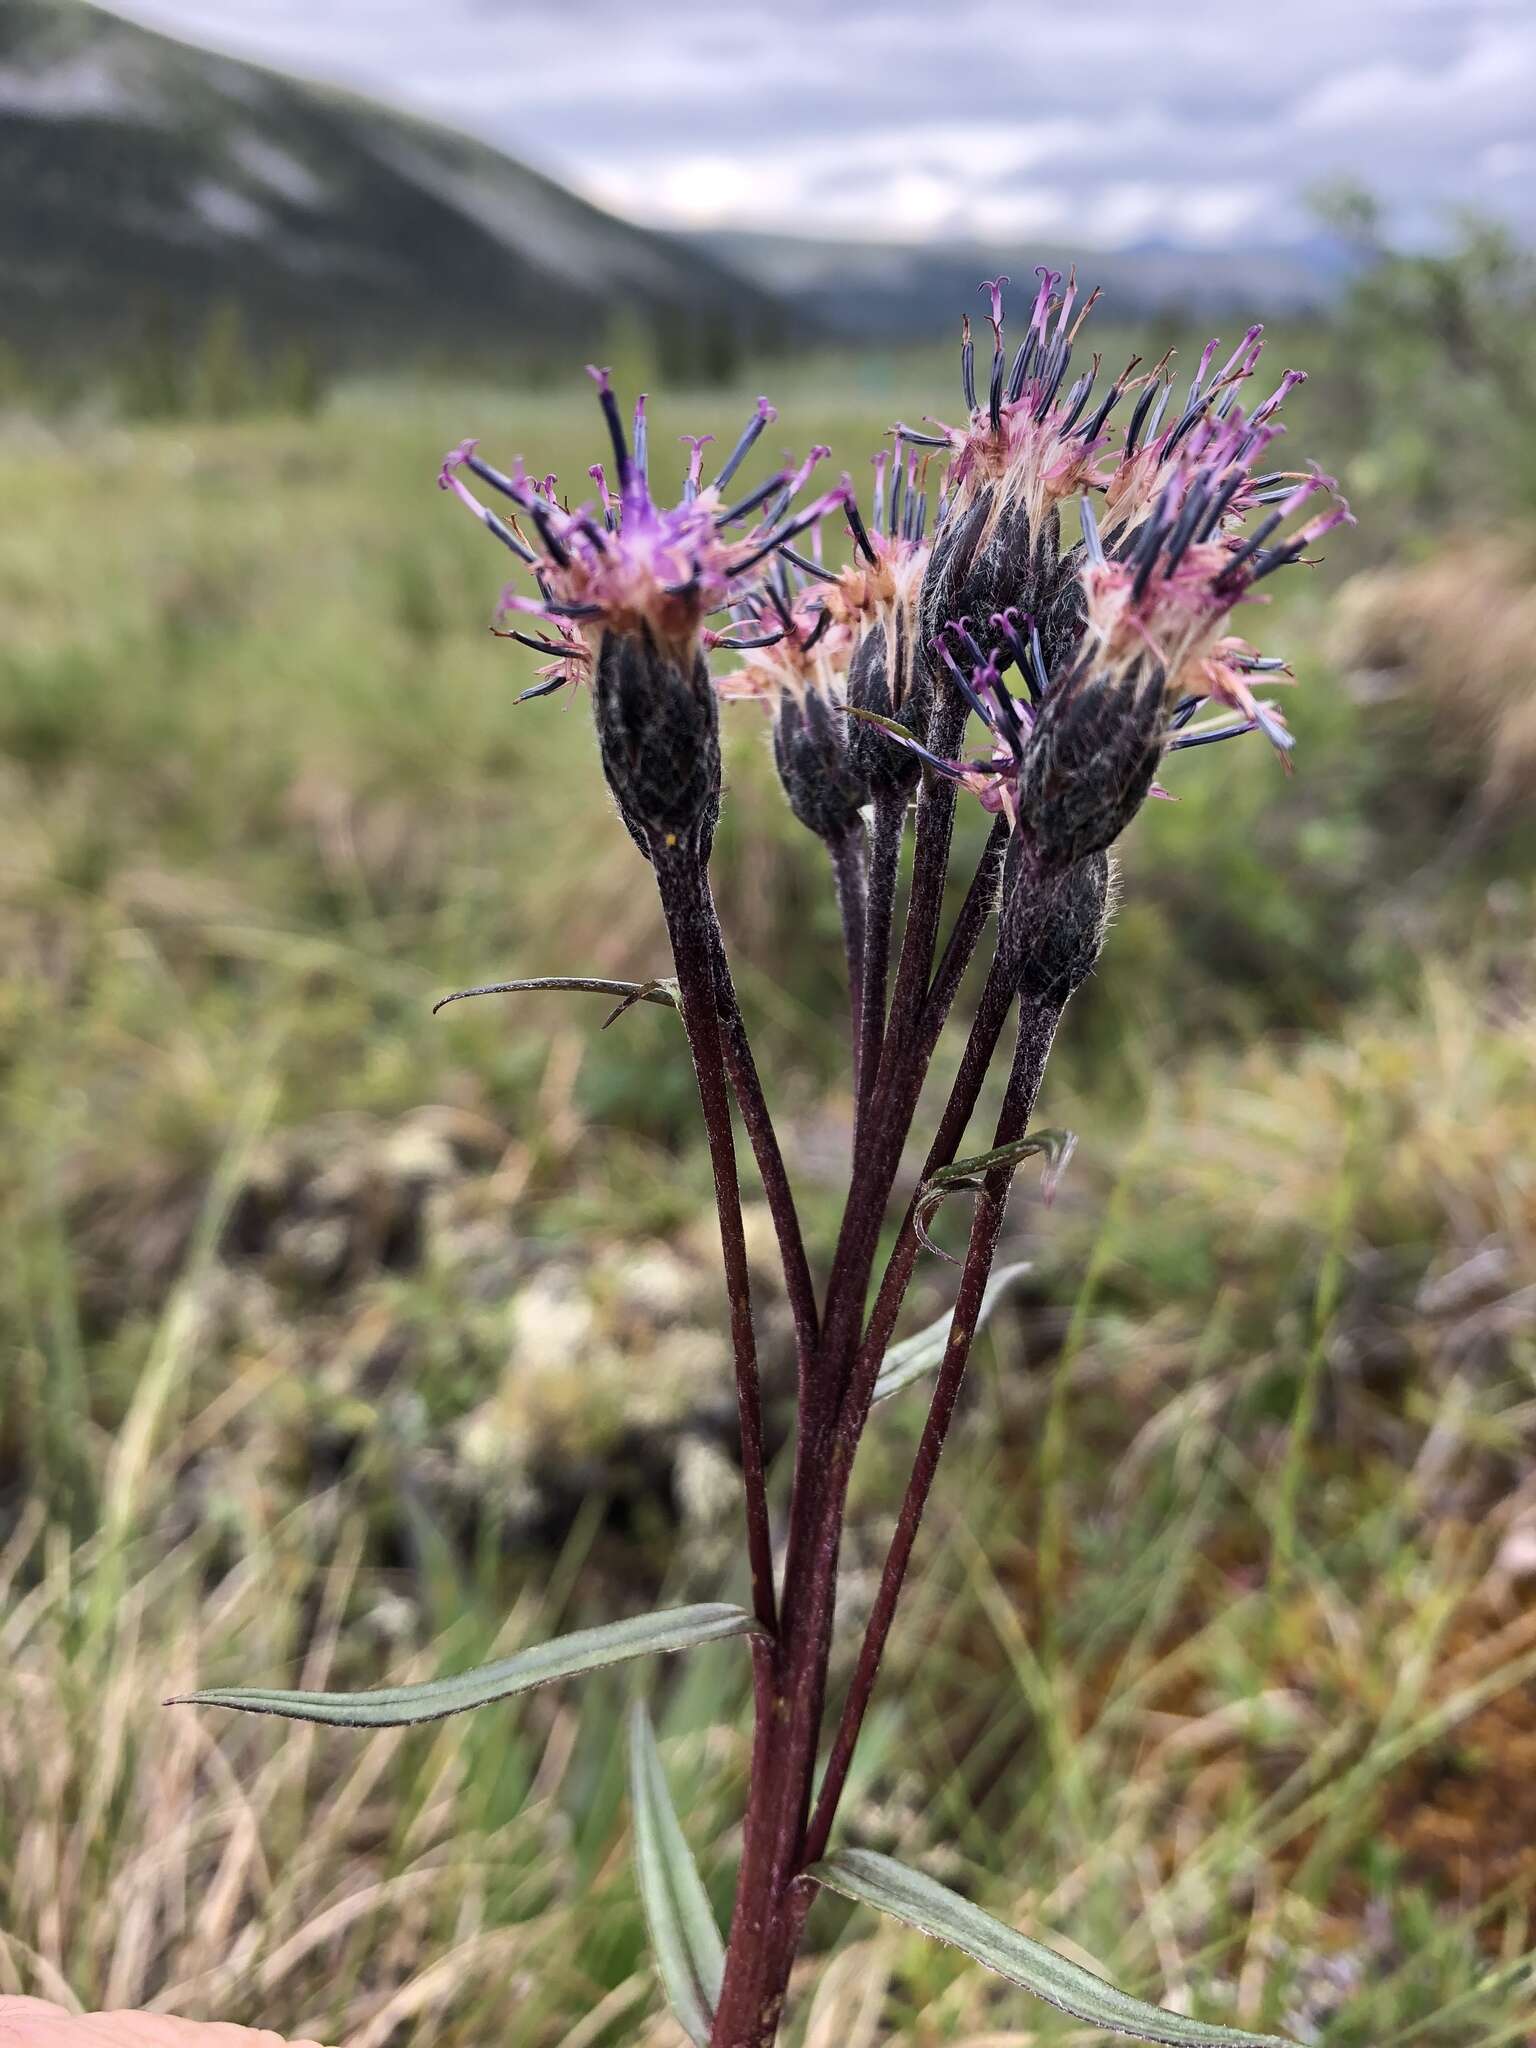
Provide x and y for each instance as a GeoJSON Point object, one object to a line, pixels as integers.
{"type": "Point", "coordinates": [767, 412]}
{"type": "Point", "coordinates": [601, 378]}
{"type": "Point", "coordinates": [454, 459]}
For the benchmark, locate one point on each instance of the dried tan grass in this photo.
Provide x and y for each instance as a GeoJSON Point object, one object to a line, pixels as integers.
{"type": "Point", "coordinates": [1458, 632]}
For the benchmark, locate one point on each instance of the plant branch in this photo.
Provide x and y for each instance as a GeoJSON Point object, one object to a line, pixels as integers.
{"type": "Point", "coordinates": [930, 870]}
{"type": "Point", "coordinates": [850, 875]}
{"type": "Point", "coordinates": [747, 1086]}
{"type": "Point", "coordinates": [692, 929]}
{"type": "Point", "coordinates": [1033, 1048]}
{"type": "Point", "coordinates": [965, 1092]}
{"type": "Point", "coordinates": [980, 902]}
{"type": "Point", "coordinates": [884, 866]}
{"type": "Point", "coordinates": [892, 1099]}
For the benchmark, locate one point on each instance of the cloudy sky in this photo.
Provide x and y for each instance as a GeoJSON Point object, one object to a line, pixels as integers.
{"type": "Point", "coordinates": [1111, 124]}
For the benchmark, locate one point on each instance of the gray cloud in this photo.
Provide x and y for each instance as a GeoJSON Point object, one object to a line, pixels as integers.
{"type": "Point", "coordinates": [999, 118]}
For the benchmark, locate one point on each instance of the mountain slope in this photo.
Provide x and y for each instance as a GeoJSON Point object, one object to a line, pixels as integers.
{"type": "Point", "coordinates": [147, 179]}
{"type": "Point", "coordinates": [912, 291]}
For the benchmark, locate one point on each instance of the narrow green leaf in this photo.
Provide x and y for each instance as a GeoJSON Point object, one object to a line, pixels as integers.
{"type": "Point", "coordinates": [689, 1952]}
{"type": "Point", "coordinates": [397, 1706]}
{"type": "Point", "coordinates": [1058, 1147]}
{"type": "Point", "coordinates": [935, 1910]}
{"type": "Point", "coordinates": [662, 991]}
{"type": "Point", "coordinates": [923, 1353]}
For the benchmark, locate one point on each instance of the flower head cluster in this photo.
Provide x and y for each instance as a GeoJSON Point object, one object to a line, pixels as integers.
{"type": "Point", "coordinates": [1121, 637]}
{"type": "Point", "coordinates": [1075, 755]}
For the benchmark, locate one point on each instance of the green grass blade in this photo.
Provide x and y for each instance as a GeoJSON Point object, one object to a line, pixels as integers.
{"type": "Point", "coordinates": [397, 1706]}
{"type": "Point", "coordinates": [689, 1951]}
{"type": "Point", "coordinates": [935, 1910]}
{"type": "Point", "coordinates": [914, 1356]}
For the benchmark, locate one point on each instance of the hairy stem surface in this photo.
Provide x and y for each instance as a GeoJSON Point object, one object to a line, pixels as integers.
{"type": "Point", "coordinates": [747, 1087]}
{"type": "Point", "coordinates": [884, 867]}
{"type": "Point", "coordinates": [850, 875]}
{"type": "Point", "coordinates": [691, 928]}
{"type": "Point", "coordinates": [1030, 1056]}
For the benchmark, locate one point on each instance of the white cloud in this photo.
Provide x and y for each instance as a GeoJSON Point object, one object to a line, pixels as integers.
{"type": "Point", "coordinates": [990, 117]}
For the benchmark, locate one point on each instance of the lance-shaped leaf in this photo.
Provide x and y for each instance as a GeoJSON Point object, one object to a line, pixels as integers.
{"type": "Point", "coordinates": [935, 1910]}
{"type": "Point", "coordinates": [398, 1706]}
{"type": "Point", "coordinates": [662, 991]}
{"type": "Point", "coordinates": [924, 1352]}
{"type": "Point", "coordinates": [1057, 1146]}
{"type": "Point", "coordinates": [689, 1952]}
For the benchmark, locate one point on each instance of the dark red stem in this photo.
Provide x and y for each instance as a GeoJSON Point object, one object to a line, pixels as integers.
{"type": "Point", "coordinates": [691, 928]}
{"type": "Point", "coordinates": [1036, 1029]}
{"type": "Point", "coordinates": [770, 1905]}
{"type": "Point", "coordinates": [747, 1087]}
{"type": "Point", "coordinates": [850, 875]}
{"type": "Point", "coordinates": [884, 867]}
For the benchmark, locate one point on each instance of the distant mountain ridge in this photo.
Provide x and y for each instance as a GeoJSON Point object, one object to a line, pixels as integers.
{"type": "Point", "coordinates": [911, 291]}
{"type": "Point", "coordinates": [142, 176]}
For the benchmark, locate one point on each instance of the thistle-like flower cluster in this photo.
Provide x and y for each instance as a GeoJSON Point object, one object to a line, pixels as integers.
{"type": "Point", "coordinates": [1059, 575]}
{"type": "Point", "coordinates": [1119, 636]}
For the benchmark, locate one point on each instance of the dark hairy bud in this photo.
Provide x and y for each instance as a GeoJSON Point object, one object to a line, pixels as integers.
{"type": "Point", "coordinates": [887, 768]}
{"type": "Point", "coordinates": [988, 561]}
{"type": "Point", "coordinates": [811, 749]}
{"type": "Point", "coordinates": [1091, 761]}
{"type": "Point", "coordinates": [1053, 925]}
{"type": "Point", "coordinates": [658, 733]}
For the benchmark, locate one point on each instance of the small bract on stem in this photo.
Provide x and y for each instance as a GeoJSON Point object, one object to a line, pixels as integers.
{"type": "Point", "coordinates": [1035, 614]}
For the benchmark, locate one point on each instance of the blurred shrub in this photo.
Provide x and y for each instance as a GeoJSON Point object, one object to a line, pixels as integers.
{"type": "Point", "coordinates": [1447, 649]}
{"type": "Point", "coordinates": [1430, 372]}
{"type": "Point", "coordinates": [217, 372]}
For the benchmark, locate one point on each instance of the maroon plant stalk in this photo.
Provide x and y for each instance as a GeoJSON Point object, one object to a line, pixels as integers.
{"type": "Point", "coordinates": [980, 902]}
{"type": "Point", "coordinates": [1036, 1030]}
{"type": "Point", "coordinates": [850, 875]}
{"type": "Point", "coordinates": [770, 1907]}
{"type": "Point", "coordinates": [965, 1092]}
{"type": "Point", "coordinates": [890, 818]}
{"type": "Point", "coordinates": [894, 1092]}
{"type": "Point", "coordinates": [747, 1086]}
{"type": "Point", "coordinates": [691, 928]}
{"type": "Point", "coordinates": [930, 870]}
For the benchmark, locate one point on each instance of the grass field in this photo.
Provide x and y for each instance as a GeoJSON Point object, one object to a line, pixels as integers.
{"type": "Point", "coordinates": [1222, 1665]}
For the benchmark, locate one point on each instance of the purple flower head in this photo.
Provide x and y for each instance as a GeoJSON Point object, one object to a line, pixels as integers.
{"type": "Point", "coordinates": [792, 645]}
{"type": "Point", "coordinates": [1159, 600]}
{"type": "Point", "coordinates": [1022, 446]}
{"type": "Point", "coordinates": [626, 565]}
{"type": "Point", "coordinates": [1211, 435]}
